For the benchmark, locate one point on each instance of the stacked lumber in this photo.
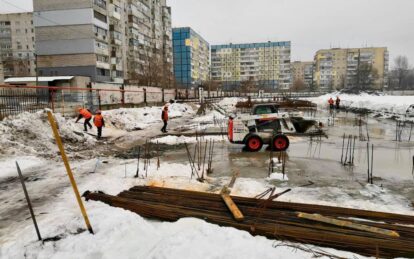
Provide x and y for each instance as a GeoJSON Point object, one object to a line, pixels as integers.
{"type": "Point", "coordinates": [368, 233]}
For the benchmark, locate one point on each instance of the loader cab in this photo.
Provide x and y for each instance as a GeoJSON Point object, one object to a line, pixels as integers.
{"type": "Point", "coordinates": [266, 124]}
{"type": "Point", "coordinates": [265, 109]}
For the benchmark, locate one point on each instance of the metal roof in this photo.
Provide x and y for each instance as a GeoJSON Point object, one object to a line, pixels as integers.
{"type": "Point", "coordinates": [40, 79]}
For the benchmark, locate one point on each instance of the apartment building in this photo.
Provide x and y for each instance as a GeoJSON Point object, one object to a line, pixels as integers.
{"type": "Point", "coordinates": [265, 64]}
{"type": "Point", "coordinates": [338, 68]}
{"type": "Point", "coordinates": [17, 44]}
{"type": "Point", "coordinates": [107, 40]}
{"type": "Point", "coordinates": [303, 72]}
{"type": "Point", "coordinates": [191, 57]}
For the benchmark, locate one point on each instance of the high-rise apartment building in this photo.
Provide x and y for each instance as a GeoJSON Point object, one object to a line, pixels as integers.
{"type": "Point", "coordinates": [191, 57]}
{"type": "Point", "coordinates": [265, 64]}
{"type": "Point", "coordinates": [303, 72]}
{"type": "Point", "coordinates": [17, 43]}
{"type": "Point", "coordinates": [107, 40]}
{"type": "Point", "coordinates": [343, 68]}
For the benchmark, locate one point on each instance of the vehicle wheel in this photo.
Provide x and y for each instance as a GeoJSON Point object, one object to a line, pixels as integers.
{"type": "Point", "coordinates": [254, 144]}
{"type": "Point", "coordinates": [280, 143]}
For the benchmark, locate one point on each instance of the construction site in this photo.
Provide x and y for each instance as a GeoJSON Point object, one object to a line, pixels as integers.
{"type": "Point", "coordinates": [271, 176]}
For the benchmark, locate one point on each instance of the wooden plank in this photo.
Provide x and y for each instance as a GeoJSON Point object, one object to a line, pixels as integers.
{"type": "Point", "coordinates": [348, 224]}
{"type": "Point", "coordinates": [232, 207]}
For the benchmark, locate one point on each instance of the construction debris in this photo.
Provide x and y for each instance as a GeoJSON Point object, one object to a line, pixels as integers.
{"type": "Point", "coordinates": [352, 231]}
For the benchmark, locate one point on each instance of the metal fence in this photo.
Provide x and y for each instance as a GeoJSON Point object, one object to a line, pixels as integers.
{"type": "Point", "coordinates": [17, 99]}
{"type": "Point", "coordinates": [65, 100]}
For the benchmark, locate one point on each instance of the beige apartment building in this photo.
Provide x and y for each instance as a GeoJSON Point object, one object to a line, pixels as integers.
{"type": "Point", "coordinates": [267, 64]}
{"type": "Point", "coordinates": [107, 40]}
{"type": "Point", "coordinates": [337, 68]}
{"type": "Point", "coordinates": [17, 44]}
{"type": "Point", "coordinates": [303, 71]}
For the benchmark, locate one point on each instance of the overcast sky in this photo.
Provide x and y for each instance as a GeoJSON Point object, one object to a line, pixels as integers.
{"type": "Point", "coordinates": [309, 24]}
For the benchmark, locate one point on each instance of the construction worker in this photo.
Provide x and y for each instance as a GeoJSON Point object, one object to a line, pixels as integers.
{"type": "Point", "coordinates": [99, 122]}
{"type": "Point", "coordinates": [164, 117]}
{"type": "Point", "coordinates": [331, 103]}
{"type": "Point", "coordinates": [337, 101]}
{"type": "Point", "coordinates": [87, 115]}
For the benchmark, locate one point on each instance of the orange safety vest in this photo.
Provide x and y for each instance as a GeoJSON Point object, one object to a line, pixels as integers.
{"type": "Point", "coordinates": [331, 101]}
{"type": "Point", "coordinates": [98, 120]}
{"type": "Point", "coordinates": [85, 113]}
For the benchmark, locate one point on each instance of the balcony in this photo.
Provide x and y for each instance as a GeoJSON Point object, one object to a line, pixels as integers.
{"type": "Point", "coordinates": [115, 15]}
{"type": "Point", "coordinates": [103, 65]}
{"type": "Point", "coordinates": [101, 51]}
{"type": "Point", "coordinates": [100, 37]}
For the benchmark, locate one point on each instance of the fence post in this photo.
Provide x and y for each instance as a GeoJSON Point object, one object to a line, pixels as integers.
{"type": "Point", "coordinates": [176, 93]}
{"type": "Point", "coordinates": [145, 96]}
{"type": "Point", "coordinates": [99, 99]}
{"type": "Point", "coordinates": [122, 96]}
{"type": "Point", "coordinates": [186, 93]}
{"type": "Point", "coordinates": [163, 97]}
{"type": "Point", "coordinates": [53, 100]}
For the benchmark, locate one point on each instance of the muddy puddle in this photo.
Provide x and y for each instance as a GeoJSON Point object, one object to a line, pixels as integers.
{"type": "Point", "coordinates": [318, 160]}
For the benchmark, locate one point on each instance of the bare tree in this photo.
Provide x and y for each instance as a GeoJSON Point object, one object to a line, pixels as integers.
{"type": "Point", "coordinates": [365, 77]}
{"type": "Point", "coordinates": [248, 85]}
{"type": "Point", "coordinates": [298, 85]}
{"type": "Point", "coordinates": [401, 71]}
{"type": "Point", "coordinates": [151, 70]}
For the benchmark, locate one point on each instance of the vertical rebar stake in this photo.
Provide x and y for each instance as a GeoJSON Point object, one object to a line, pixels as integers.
{"type": "Point", "coordinates": [29, 204]}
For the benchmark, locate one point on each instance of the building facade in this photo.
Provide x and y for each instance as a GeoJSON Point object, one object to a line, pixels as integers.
{"type": "Point", "coordinates": [344, 68]}
{"type": "Point", "coordinates": [109, 40]}
{"type": "Point", "coordinates": [267, 65]}
{"type": "Point", "coordinates": [17, 44]}
{"type": "Point", "coordinates": [302, 73]}
{"type": "Point", "coordinates": [191, 57]}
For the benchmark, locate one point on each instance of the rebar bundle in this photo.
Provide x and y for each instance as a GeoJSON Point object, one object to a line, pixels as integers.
{"type": "Point", "coordinates": [368, 233]}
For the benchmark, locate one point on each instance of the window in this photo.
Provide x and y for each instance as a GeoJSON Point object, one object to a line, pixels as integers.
{"type": "Point", "coordinates": [99, 16]}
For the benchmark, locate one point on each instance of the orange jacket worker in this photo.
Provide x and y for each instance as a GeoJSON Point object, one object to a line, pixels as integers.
{"type": "Point", "coordinates": [87, 115]}
{"type": "Point", "coordinates": [99, 122]}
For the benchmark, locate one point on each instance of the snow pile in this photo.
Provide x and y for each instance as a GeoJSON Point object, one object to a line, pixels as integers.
{"type": "Point", "coordinates": [229, 103]}
{"type": "Point", "coordinates": [213, 116]}
{"type": "Point", "coordinates": [30, 133]}
{"type": "Point", "coordinates": [123, 234]}
{"type": "Point", "coordinates": [140, 118]}
{"type": "Point", "coordinates": [176, 140]}
{"type": "Point", "coordinates": [376, 103]}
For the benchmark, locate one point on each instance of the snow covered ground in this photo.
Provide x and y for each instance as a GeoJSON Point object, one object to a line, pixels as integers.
{"type": "Point", "coordinates": [377, 103]}
{"type": "Point", "coordinates": [27, 138]}
{"type": "Point", "coordinates": [175, 140]}
{"type": "Point", "coordinates": [141, 118]}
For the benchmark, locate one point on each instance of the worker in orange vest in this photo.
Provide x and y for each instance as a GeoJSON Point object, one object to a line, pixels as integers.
{"type": "Point", "coordinates": [99, 122]}
{"type": "Point", "coordinates": [331, 103]}
{"type": "Point", "coordinates": [164, 117]}
{"type": "Point", "coordinates": [87, 115]}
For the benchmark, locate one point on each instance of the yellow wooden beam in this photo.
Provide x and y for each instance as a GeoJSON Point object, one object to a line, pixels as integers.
{"type": "Point", "coordinates": [348, 224]}
{"type": "Point", "coordinates": [68, 169]}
